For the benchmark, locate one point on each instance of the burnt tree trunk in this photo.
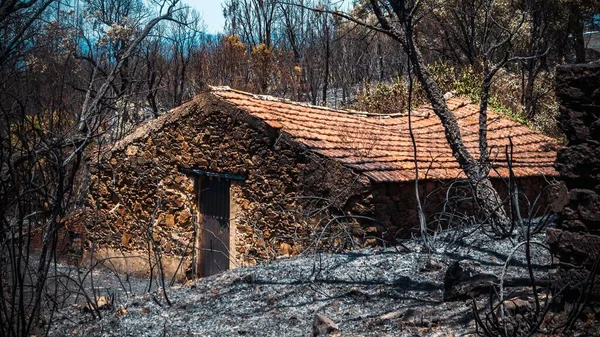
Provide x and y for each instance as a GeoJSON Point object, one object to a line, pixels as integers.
{"type": "Point", "coordinates": [576, 28]}
{"type": "Point", "coordinates": [327, 56]}
{"type": "Point", "coordinates": [475, 170]}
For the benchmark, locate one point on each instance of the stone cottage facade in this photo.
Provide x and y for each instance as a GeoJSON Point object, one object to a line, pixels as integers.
{"type": "Point", "coordinates": [231, 179]}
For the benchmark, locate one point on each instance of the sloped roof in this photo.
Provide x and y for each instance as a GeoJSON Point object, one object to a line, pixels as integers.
{"type": "Point", "coordinates": [381, 147]}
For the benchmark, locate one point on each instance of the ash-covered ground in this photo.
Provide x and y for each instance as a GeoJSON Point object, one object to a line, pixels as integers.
{"type": "Point", "coordinates": [394, 291]}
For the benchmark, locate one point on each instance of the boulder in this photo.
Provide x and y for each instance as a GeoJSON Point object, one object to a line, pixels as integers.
{"type": "Point", "coordinates": [578, 93]}
{"type": "Point", "coordinates": [465, 279]}
{"type": "Point", "coordinates": [579, 165]}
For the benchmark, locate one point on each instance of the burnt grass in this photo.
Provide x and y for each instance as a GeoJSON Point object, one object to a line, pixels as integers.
{"type": "Point", "coordinates": [393, 291]}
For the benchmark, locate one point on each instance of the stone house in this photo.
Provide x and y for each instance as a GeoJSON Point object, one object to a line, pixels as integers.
{"type": "Point", "coordinates": [231, 178]}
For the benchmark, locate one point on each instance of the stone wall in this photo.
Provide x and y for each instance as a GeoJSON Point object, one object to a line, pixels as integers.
{"type": "Point", "coordinates": [395, 203]}
{"type": "Point", "coordinates": [576, 240]}
{"type": "Point", "coordinates": [289, 197]}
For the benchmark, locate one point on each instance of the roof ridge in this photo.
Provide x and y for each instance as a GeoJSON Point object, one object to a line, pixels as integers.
{"type": "Point", "coordinates": [271, 98]}
{"type": "Point", "coordinates": [417, 111]}
{"type": "Point", "coordinates": [351, 112]}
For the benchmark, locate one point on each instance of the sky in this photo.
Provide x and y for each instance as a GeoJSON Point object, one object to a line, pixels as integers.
{"type": "Point", "coordinates": [211, 12]}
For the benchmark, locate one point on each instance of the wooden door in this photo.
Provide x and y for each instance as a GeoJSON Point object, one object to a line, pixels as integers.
{"type": "Point", "coordinates": [214, 230]}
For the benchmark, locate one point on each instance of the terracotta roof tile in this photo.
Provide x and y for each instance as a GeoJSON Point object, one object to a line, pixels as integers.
{"type": "Point", "coordinates": [381, 148]}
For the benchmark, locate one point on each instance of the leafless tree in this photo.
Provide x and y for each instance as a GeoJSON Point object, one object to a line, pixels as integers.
{"type": "Point", "coordinates": [253, 18]}
{"type": "Point", "coordinates": [42, 153]}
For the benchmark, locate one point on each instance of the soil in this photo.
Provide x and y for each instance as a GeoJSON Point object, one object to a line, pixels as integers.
{"type": "Point", "coordinates": [393, 291]}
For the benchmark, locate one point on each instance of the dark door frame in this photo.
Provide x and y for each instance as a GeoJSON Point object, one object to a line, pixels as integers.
{"type": "Point", "coordinates": [213, 222]}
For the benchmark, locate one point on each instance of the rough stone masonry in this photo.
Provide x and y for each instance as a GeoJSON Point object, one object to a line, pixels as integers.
{"type": "Point", "coordinates": [576, 240]}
